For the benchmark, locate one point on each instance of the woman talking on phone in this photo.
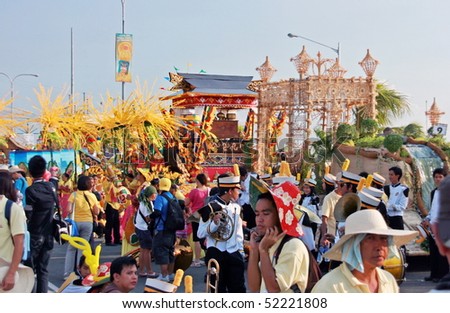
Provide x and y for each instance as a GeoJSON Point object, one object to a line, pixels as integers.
{"type": "Point", "coordinates": [278, 262]}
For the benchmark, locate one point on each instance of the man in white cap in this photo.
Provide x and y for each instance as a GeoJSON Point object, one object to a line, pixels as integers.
{"type": "Point", "coordinates": [367, 243]}
{"type": "Point", "coordinates": [347, 183]}
{"type": "Point", "coordinates": [310, 201]}
{"type": "Point", "coordinates": [441, 230]}
{"type": "Point", "coordinates": [378, 182]}
{"type": "Point", "coordinates": [328, 225]}
{"type": "Point", "coordinates": [221, 225]}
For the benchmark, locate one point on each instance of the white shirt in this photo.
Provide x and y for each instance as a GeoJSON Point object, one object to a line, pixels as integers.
{"type": "Point", "coordinates": [245, 195]}
{"type": "Point", "coordinates": [140, 222]}
{"type": "Point", "coordinates": [434, 210]}
{"type": "Point", "coordinates": [236, 241]}
{"type": "Point", "coordinates": [397, 202]}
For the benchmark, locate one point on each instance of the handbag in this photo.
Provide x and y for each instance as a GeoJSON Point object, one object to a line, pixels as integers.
{"type": "Point", "coordinates": [73, 229]}
{"type": "Point", "coordinates": [94, 218]}
{"type": "Point", "coordinates": [60, 227]}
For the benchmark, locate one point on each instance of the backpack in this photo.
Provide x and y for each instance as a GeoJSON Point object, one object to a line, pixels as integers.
{"type": "Point", "coordinates": [26, 239]}
{"type": "Point", "coordinates": [314, 272]}
{"type": "Point", "coordinates": [175, 215]}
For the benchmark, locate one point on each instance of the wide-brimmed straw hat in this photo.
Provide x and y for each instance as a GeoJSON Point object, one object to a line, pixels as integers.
{"type": "Point", "coordinates": [24, 278]}
{"type": "Point", "coordinates": [286, 196]}
{"type": "Point", "coordinates": [368, 221]}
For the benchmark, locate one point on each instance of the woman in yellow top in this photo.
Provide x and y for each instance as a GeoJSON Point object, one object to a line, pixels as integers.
{"type": "Point", "coordinates": [83, 206]}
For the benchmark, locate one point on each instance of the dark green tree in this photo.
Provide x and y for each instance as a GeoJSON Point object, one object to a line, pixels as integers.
{"type": "Point", "coordinates": [413, 130]}
{"type": "Point", "coordinates": [390, 105]}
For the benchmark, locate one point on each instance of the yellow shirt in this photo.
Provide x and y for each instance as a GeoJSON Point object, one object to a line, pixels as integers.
{"type": "Point", "coordinates": [292, 266]}
{"type": "Point", "coordinates": [341, 280]}
{"type": "Point", "coordinates": [17, 222]}
{"type": "Point", "coordinates": [83, 209]}
{"type": "Point", "coordinates": [329, 202]}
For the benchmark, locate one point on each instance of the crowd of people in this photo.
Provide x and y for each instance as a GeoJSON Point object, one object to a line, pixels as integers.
{"type": "Point", "coordinates": [270, 228]}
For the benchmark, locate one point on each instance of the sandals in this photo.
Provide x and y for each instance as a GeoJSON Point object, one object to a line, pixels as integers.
{"type": "Point", "coordinates": [197, 264]}
{"type": "Point", "coordinates": [152, 275]}
{"type": "Point", "coordinates": [148, 275]}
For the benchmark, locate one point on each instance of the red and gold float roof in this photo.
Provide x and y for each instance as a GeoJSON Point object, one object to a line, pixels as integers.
{"type": "Point", "coordinates": [222, 91]}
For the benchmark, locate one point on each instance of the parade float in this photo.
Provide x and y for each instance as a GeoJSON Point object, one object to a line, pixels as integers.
{"type": "Point", "coordinates": [214, 103]}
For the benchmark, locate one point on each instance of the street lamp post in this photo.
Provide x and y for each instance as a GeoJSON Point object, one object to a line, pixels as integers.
{"type": "Point", "coordinates": [336, 50]}
{"type": "Point", "coordinates": [11, 81]}
{"type": "Point", "coordinates": [123, 32]}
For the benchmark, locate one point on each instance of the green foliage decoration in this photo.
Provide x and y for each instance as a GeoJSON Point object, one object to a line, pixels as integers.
{"type": "Point", "coordinates": [369, 142]}
{"type": "Point", "coordinates": [393, 142]}
{"type": "Point", "coordinates": [345, 133]}
{"type": "Point", "coordinates": [369, 127]}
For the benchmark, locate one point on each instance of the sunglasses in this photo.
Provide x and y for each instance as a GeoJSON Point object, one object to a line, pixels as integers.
{"type": "Point", "coordinates": [341, 185]}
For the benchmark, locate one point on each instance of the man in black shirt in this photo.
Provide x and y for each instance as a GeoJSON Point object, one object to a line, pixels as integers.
{"type": "Point", "coordinates": [40, 204]}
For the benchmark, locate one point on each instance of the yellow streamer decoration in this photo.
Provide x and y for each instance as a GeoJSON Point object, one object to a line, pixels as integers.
{"type": "Point", "coordinates": [236, 170]}
{"type": "Point", "coordinates": [369, 180]}
{"type": "Point", "coordinates": [345, 165]}
{"type": "Point", "coordinates": [361, 184]}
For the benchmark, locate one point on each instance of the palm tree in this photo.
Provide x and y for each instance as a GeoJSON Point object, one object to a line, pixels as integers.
{"type": "Point", "coordinates": [390, 105]}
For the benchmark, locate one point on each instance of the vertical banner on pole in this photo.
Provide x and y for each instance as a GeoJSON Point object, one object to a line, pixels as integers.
{"type": "Point", "coordinates": [124, 53]}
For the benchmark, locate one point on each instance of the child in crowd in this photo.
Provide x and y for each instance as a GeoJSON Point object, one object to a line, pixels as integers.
{"type": "Point", "coordinates": [76, 286]}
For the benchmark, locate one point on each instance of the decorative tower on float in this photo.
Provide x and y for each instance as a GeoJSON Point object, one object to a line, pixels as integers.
{"type": "Point", "coordinates": [214, 103]}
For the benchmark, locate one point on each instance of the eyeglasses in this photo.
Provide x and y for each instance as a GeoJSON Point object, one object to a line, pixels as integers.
{"type": "Point", "coordinates": [341, 185]}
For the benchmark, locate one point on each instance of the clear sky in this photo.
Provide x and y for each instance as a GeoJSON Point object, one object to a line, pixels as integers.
{"type": "Point", "coordinates": [408, 37]}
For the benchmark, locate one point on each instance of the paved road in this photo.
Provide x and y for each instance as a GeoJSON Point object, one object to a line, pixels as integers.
{"type": "Point", "coordinates": [413, 282]}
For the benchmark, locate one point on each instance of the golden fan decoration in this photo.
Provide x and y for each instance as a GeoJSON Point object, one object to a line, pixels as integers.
{"type": "Point", "coordinates": [9, 122]}
{"type": "Point", "coordinates": [63, 126]}
{"type": "Point", "coordinates": [139, 118]}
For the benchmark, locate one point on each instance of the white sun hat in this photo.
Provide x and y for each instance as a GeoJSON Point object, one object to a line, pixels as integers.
{"type": "Point", "coordinates": [24, 278]}
{"type": "Point", "coordinates": [368, 221]}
